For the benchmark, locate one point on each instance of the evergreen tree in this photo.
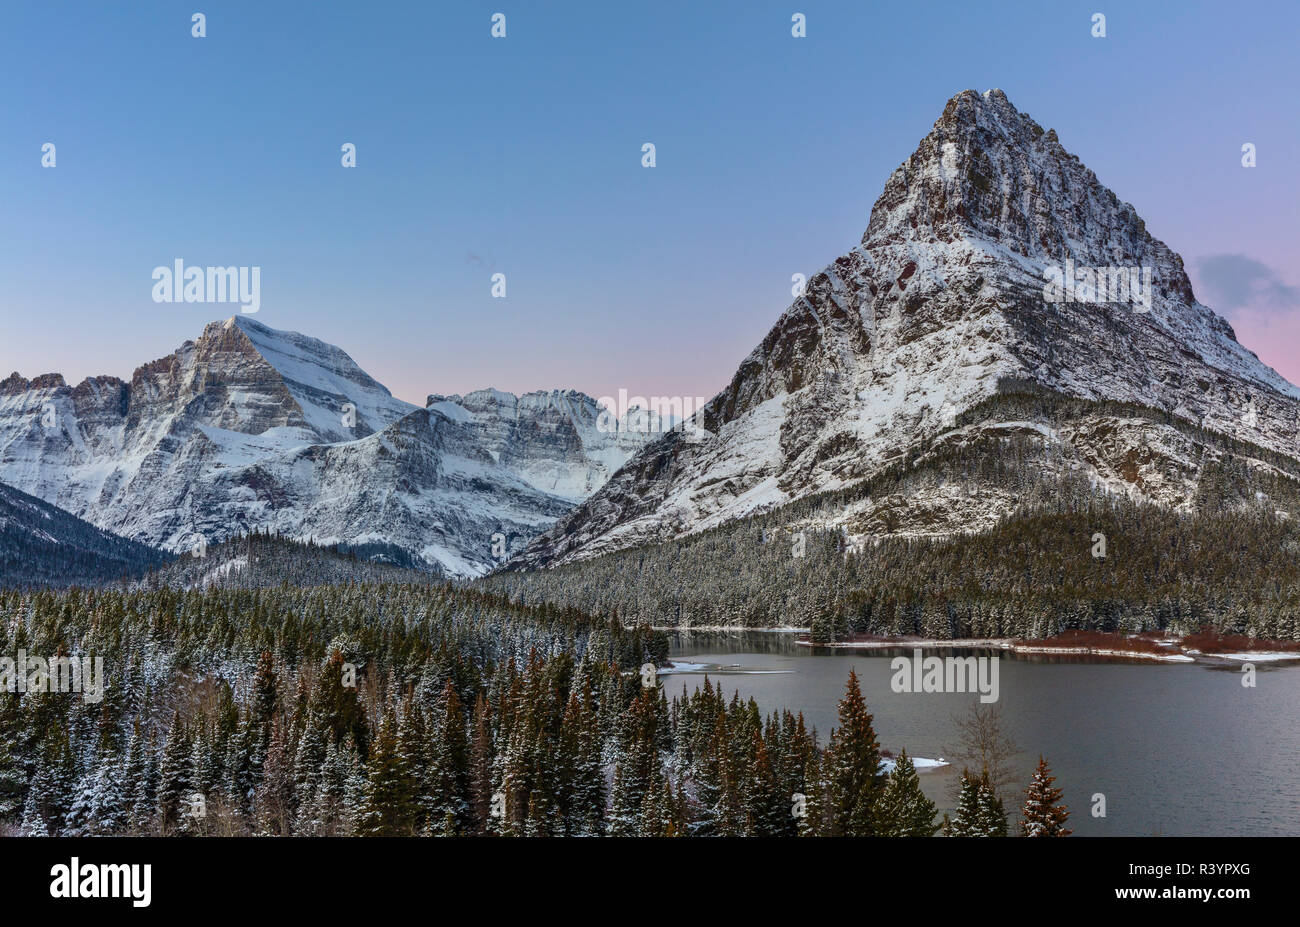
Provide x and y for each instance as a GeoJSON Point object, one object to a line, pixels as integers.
{"type": "Point", "coordinates": [904, 811]}
{"type": "Point", "coordinates": [991, 817]}
{"type": "Point", "coordinates": [13, 775]}
{"type": "Point", "coordinates": [308, 775]}
{"type": "Point", "coordinates": [174, 789]}
{"type": "Point", "coordinates": [99, 808]}
{"type": "Point", "coordinates": [389, 807]}
{"type": "Point", "coordinates": [274, 799]}
{"type": "Point", "coordinates": [1043, 815]}
{"type": "Point", "coordinates": [965, 821]}
{"type": "Point", "coordinates": [710, 774]}
{"type": "Point", "coordinates": [52, 791]}
{"type": "Point", "coordinates": [448, 766]}
{"type": "Point", "coordinates": [137, 787]}
{"type": "Point", "coordinates": [638, 771]}
{"type": "Point", "coordinates": [813, 822]}
{"type": "Point", "coordinates": [588, 795]}
{"type": "Point", "coordinates": [766, 809]}
{"type": "Point", "coordinates": [854, 780]}
{"type": "Point", "coordinates": [339, 706]}
{"type": "Point", "coordinates": [205, 762]}
{"type": "Point", "coordinates": [480, 772]}
{"type": "Point", "coordinates": [340, 801]}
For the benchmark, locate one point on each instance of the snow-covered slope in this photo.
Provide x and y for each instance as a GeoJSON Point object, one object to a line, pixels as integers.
{"type": "Point", "coordinates": [249, 427]}
{"type": "Point", "coordinates": [325, 382]}
{"type": "Point", "coordinates": [556, 441]}
{"type": "Point", "coordinates": [939, 307]}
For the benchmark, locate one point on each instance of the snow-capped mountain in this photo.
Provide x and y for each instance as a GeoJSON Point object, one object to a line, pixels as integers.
{"type": "Point", "coordinates": [992, 259]}
{"type": "Point", "coordinates": [249, 427]}
{"type": "Point", "coordinates": [561, 442]}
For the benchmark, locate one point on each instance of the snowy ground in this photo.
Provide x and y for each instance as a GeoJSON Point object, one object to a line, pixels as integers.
{"type": "Point", "coordinates": [1003, 644]}
{"type": "Point", "coordinates": [1257, 656]}
{"type": "Point", "coordinates": [721, 669]}
{"type": "Point", "coordinates": [922, 764]}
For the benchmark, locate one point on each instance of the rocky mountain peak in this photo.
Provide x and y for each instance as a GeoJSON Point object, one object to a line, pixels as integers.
{"type": "Point", "coordinates": [558, 441]}
{"type": "Point", "coordinates": [250, 427]}
{"type": "Point", "coordinates": [987, 171]}
{"type": "Point", "coordinates": [941, 308]}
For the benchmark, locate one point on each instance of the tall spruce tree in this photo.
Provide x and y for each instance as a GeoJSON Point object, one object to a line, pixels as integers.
{"type": "Point", "coordinates": [991, 816]}
{"type": "Point", "coordinates": [52, 790]}
{"type": "Point", "coordinates": [389, 807]}
{"type": "Point", "coordinates": [1042, 814]}
{"type": "Point", "coordinates": [448, 767]}
{"type": "Point", "coordinates": [854, 780]}
{"type": "Point", "coordinates": [482, 753]}
{"type": "Point", "coordinates": [174, 788]}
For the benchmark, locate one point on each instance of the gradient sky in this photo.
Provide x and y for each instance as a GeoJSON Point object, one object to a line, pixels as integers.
{"type": "Point", "coordinates": [523, 155]}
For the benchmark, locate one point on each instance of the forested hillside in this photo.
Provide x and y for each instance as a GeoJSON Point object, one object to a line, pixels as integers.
{"type": "Point", "coordinates": [42, 545]}
{"type": "Point", "coordinates": [262, 560]}
{"type": "Point", "coordinates": [1070, 555]}
{"type": "Point", "coordinates": [235, 694]}
{"type": "Point", "coordinates": [1032, 576]}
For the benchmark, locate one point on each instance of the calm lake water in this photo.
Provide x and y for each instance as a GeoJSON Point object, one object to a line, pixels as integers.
{"type": "Point", "coordinates": [1177, 749]}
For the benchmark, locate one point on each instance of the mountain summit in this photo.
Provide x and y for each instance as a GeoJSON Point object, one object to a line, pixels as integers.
{"type": "Point", "coordinates": [994, 262]}
{"type": "Point", "coordinates": [250, 428]}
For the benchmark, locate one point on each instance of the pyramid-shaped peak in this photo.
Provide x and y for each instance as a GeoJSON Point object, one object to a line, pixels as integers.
{"type": "Point", "coordinates": [991, 111]}
{"type": "Point", "coordinates": [250, 324]}
{"type": "Point", "coordinates": [988, 171]}
{"type": "Point", "coordinates": [974, 101]}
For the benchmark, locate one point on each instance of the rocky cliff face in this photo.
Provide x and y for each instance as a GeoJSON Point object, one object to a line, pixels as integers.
{"type": "Point", "coordinates": [945, 301]}
{"type": "Point", "coordinates": [248, 427]}
{"type": "Point", "coordinates": [561, 442]}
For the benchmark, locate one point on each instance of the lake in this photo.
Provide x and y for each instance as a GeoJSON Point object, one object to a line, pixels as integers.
{"type": "Point", "coordinates": [1177, 749]}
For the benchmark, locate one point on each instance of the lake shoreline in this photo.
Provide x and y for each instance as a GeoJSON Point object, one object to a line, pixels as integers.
{"type": "Point", "coordinates": [994, 643]}
{"type": "Point", "coordinates": [1197, 648]}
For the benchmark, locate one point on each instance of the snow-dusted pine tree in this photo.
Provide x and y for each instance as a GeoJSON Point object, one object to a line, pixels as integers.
{"type": "Point", "coordinates": [903, 809]}
{"type": "Point", "coordinates": [1043, 815]}
{"type": "Point", "coordinates": [991, 817]}
{"type": "Point", "coordinates": [963, 821]}
{"type": "Point", "coordinates": [852, 767]}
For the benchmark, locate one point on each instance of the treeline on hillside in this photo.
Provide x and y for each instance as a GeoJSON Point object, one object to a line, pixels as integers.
{"type": "Point", "coordinates": [1034, 575]}
{"type": "Point", "coordinates": [42, 545]}
{"type": "Point", "coordinates": [262, 559]}
{"type": "Point", "coordinates": [1228, 564]}
{"type": "Point", "coordinates": [393, 710]}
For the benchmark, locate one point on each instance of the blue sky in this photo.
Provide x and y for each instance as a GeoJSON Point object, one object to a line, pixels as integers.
{"type": "Point", "coordinates": [523, 155]}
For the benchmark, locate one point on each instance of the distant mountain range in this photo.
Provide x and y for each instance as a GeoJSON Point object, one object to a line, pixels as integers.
{"type": "Point", "coordinates": [1002, 302]}
{"type": "Point", "coordinates": [249, 428]}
